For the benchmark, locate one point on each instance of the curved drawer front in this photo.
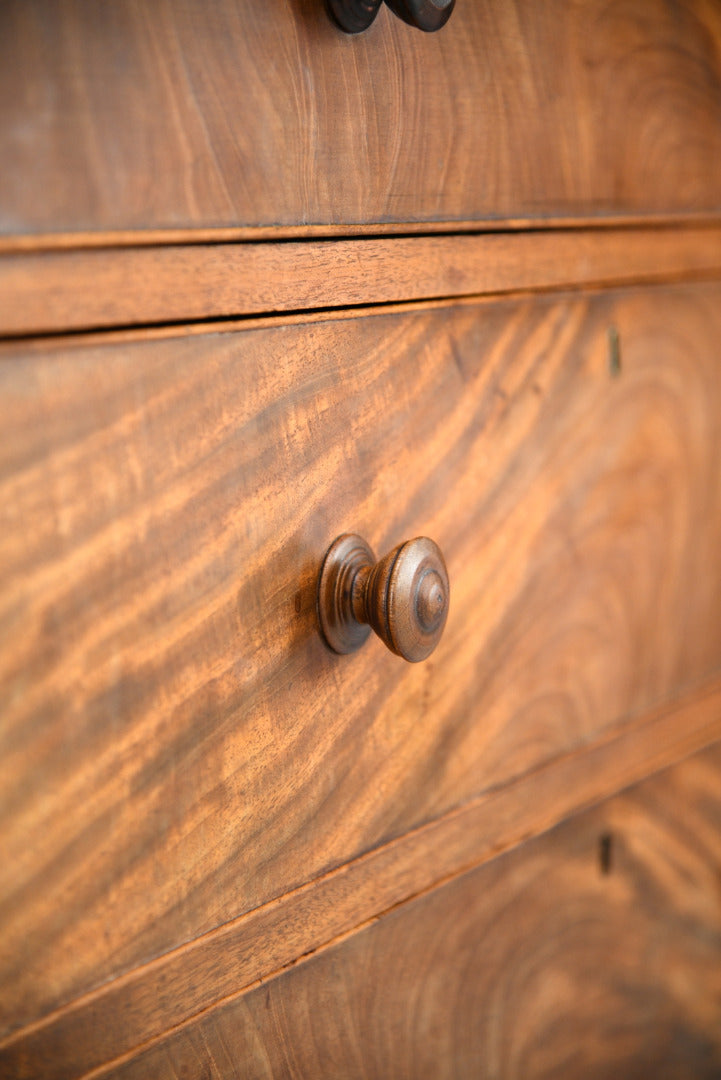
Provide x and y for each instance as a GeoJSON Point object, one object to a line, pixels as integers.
{"type": "Point", "coordinates": [178, 745]}
{"type": "Point", "coordinates": [243, 114]}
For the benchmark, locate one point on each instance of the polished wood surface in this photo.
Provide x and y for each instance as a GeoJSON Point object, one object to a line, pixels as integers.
{"type": "Point", "coordinates": [178, 746]}
{"type": "Point", "coordinates": [234, 112]}
{"type": "Point", "coordinates": [464, 285]}
{"type": "Point", "coordinates": [60, 291]}
{"type": "Point", "coordinates": [140, 1007]}
{"type": "Point", "coordinates": [592, 952]}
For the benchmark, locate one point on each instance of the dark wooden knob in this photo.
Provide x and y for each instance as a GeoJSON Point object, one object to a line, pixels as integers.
{"type": "Point", "coordinates": [428, 15]}
{"type": "Point", "coordinates": [353, 16]}
{"type": "Point", "coordinates": [404, 597]}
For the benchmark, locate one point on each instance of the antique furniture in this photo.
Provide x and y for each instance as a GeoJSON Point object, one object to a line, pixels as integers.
{"type": "Point", "coordinates": [265, 285]}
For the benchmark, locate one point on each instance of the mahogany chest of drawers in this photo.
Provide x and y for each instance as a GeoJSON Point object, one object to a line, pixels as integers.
{"type": "Point", "coordinates": [263, 283]}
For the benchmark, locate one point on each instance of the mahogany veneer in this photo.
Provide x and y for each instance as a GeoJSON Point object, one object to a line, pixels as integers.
{"type": "Point", "coordinates": [261, 285]}
{"type": "Point", "coordinates": [238, 114]}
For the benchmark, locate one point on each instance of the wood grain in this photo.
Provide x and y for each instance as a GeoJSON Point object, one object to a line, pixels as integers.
{"type": "Point", "coordinates": [171, 991]}
{"type": "Point", "coordinates": [177, 745]}
{"type": "Point", "coordinates": [548, 962]}
{"type": "Point", "coordinates": [228, 113]}
{"type": "Point", "coordinates": [62, 291]}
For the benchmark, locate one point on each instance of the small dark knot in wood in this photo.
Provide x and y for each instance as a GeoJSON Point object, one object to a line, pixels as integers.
{"type": "Point", "coordinates": [404, 597]}
{"type": "Point", "coordinates": [353, 16]}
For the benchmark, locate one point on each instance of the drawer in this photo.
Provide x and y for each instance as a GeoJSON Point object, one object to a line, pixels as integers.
{"type": "Point", "coordinates": [243, 115]}
{"type": "Point", "coordinates": [606, 922]}
{"type": "Point", "coordinates": [178, 745]}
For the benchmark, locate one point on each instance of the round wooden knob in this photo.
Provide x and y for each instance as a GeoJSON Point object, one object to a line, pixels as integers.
{"type": "Point", "coordinates": [353, 16]}
{"type": "Point", "coordinates": [428, 15]}
{"type": "Point", "coordinates": [404, 597]}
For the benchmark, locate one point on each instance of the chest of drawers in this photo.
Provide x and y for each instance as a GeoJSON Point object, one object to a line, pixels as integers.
{"type": "Point", "coordinates": [263, 283]}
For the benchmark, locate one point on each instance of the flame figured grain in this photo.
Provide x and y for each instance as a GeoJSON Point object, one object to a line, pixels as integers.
{"type": "Point", "coordinates": [178, 747]}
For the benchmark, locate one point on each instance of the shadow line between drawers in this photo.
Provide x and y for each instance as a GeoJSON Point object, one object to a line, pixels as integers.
{"type": "Point", "coordinates": [95, 1032]}
{"type": "Point", "coordinates": [169, 237]}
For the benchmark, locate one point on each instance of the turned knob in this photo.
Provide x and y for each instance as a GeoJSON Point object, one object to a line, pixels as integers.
{"type": "Point", "coordinates": [428, 15]}
{"type": "Point", "coordinates": [353, 16]}
{"type": "Point", "coordinates": [404, 597]}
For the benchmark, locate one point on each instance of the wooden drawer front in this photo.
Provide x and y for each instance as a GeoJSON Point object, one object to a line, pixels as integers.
{"type": "Point", "coordinates": [236, 113]}
{"type": "Point", "coordinates": [178, 746]}
{"type": "Point", "coordinates": [592, 952]}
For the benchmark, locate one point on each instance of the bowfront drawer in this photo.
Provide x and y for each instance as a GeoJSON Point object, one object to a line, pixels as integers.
{"type": "Point", "coordinates": [179, 745]}
{"type": "Point", "coordinates": [241, 114]}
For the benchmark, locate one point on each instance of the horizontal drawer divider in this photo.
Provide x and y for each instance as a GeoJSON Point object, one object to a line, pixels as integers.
{"type": "Point", "coordinates": [174, 989]}
{"type": "Point", "coordinates": [64, 291]}
{"type": "Point", "coordinates": [162, 237]}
